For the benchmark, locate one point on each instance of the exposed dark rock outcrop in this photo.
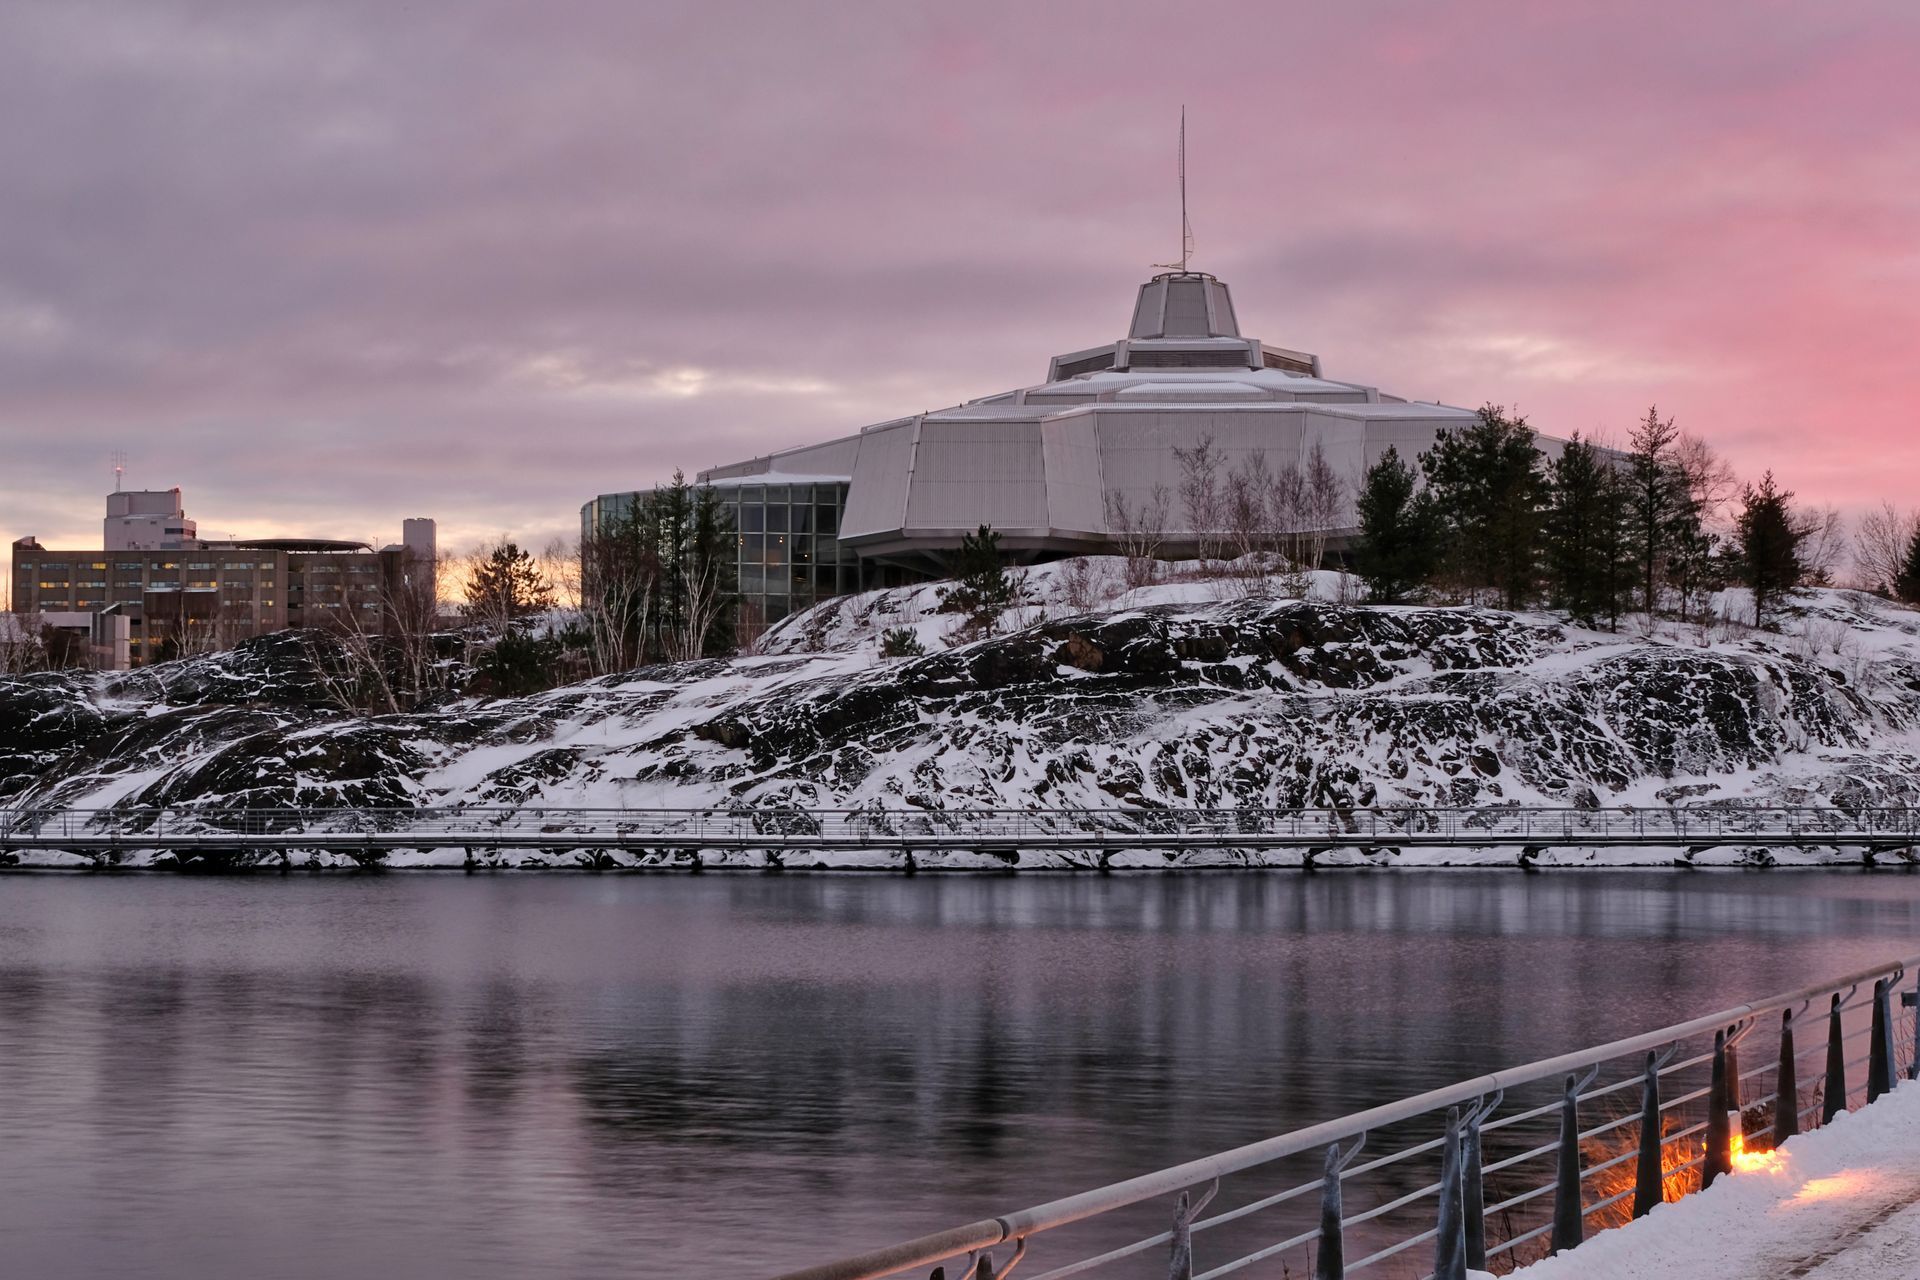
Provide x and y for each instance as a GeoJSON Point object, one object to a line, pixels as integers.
{"type": "Point", "coordinates": [1276, 704]}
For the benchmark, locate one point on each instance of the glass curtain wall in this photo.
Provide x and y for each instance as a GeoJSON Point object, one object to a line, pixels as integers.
{"type": "Point", "coordinates": [790, 552]}
{"type": "Point", "coordinates": [788, 545]}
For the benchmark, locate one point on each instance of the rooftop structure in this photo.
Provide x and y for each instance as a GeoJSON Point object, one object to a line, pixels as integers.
{"type": "Point", "coordinates": [1051, 466]}
{"type": "Point", "coordinates": [147, 520]}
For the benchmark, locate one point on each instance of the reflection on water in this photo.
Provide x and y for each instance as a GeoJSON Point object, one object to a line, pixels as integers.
{"type": "Point", "coordinates": [610, 1076]}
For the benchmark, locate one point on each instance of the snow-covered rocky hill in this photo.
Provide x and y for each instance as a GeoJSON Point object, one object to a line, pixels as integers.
{"type": "Point", "coordinates": [1192, 693]}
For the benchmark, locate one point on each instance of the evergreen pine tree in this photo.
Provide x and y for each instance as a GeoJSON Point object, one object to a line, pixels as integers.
{"type": "Point", "coordinates": [1614, 547]}
{"type": "Point", "coordinates": [1692, 565]}
{"type": "Point", "coordinates": [520, 663]}
{"type": "Point", "coordinates": [1769, 544]}
{"type": "Point", "coordinates": [1395, 552]}
{"type": "Point", "coordinates": [1487, 483]}
{"type": "Point", "coordinates": [983, 589]}
{"type": "Point", "coordinates": [1907, 585]}
{"type": "Point", "coordinates": [508, 584]}
{"type": "Point", "coordinates": [1656, 493]}
{"type": "Point", "coordinates": [1584, 540]}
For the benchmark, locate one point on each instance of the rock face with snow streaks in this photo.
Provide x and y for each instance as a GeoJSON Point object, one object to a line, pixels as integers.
{"type": "Point", "coordinates": [1242, 702]}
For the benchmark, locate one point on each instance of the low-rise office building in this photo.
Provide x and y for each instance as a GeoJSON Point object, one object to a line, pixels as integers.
{"type": "Point", "coordinates": [181, 594]}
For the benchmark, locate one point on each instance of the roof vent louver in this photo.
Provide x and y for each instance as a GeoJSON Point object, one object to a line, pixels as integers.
{"type": "Point", "coordinates": [1090, 364]}
{"type": "Point", "coordinates": [1231, 358]}
{"type": "Point", "coordinates": [1288, 363]}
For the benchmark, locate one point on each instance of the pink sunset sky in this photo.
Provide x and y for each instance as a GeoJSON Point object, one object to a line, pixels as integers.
{"type": "Point", "coordinates": [328, 265]}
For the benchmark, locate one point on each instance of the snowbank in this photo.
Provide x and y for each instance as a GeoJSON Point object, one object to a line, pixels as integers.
{"type": "Point", "coordinates": [1833, 1204]}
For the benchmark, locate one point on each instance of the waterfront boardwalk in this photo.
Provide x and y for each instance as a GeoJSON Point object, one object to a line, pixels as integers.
{"type": "Point", "coordinates": [1529, 831]}
{"type": "Point", "coordinates": [1839, 1203]}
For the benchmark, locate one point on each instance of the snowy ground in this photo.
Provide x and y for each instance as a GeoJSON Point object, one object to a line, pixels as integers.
{"type": "Point", "coordinates": [1059, 589]}
{"type": "Point", "coordinates": [1193, 691]}
{"type": "Point", "coordinates": [1840, 1203]}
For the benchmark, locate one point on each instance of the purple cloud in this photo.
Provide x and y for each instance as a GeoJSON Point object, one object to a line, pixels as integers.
{"type": "Point", "coordinates": [326, 265]}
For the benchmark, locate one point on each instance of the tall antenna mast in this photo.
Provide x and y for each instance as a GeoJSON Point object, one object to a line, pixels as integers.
{"type": "Point", "coordinates": [119, 467]}
{"type": "Point", "coordinates": [1186, 227]}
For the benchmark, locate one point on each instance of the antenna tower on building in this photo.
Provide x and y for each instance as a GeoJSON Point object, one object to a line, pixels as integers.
{"type": "Point", "coordinates": [1186, 227]}
{"type": "Point", "coordinates": [119, 467]}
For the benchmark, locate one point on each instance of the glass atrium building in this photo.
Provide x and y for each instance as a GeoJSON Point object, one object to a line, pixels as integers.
{"type": "Point", "coordinates": [788, 539]}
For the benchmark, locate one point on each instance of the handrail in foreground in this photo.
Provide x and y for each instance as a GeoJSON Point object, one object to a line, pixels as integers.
{"type": "Point", "coordinates": [1023, 1225]}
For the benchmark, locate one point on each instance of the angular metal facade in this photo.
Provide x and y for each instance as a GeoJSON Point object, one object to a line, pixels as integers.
{"type": "Point", "coordinates": [1044, 464]}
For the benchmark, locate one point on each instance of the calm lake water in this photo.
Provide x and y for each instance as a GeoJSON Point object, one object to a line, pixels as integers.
{"type": "Point", "coordinates": [575, 1076]}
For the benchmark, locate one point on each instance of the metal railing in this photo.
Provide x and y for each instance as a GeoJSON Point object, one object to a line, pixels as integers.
{"type": "Point", "coordinates": [1512, 1176]}
{"type": "Point", "coordinates": [1313, 831]}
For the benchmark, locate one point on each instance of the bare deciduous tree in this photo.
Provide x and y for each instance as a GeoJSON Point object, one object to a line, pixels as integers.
{"type": "Point", "coordinates": [1200, 495]}
{"type": "Point", "coordinates": [559, 563]}
{"type": "Point", "coordinates": [1286, 504]}
{"type": "Point", "coordinates": [22, 643]}
{"type": "Point", "coordinates": [1248, 529]}
{"type": "Point", "coordinates": [1139, 532]}
{"type": "Point", "coordinates": [1880, 542]}
{"type": "Point", "coordinates": [1323, 494]}
{"type": "Point", "coordinates": [705, 600]}
{"type": "Point", "coordinates": [1085, 582]}
{"type": "Point", "coordinates": [1823, 545]}
{"type": "Point", "coordinates": [1709, 478]}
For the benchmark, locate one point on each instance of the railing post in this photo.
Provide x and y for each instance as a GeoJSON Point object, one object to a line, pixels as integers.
{"type": "Point", "coordinates": [1569, 1210]}
{"type": "Point", "coordinates": [1180, 1264]}
{"type": "Point", "coordinates": [1732, 1098]}
{"type": "Point", "coordinates": [1649, 1172]}
{"type": "Point", "coordinates": [1473, 1191]}
{"type": "Point", "coordinates": [1450, 1241]}
{"type": "Point", "coordinates": [1786, 1085]}
{"type": "Point", "coordinates": [1880, 1052]}
{"type": "Point", "coordinates": [1719, 1157]}
{"type": "Point", "coordinates": [1913, 1068]}
{"type": "Point", "coordinates": [1835, 1100]}
{"type": "Point", "coordinates": [1330, 1261]}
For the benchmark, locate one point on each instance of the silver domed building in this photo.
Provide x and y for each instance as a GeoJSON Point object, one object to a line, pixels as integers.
{"type": "Point", "coordinates": [1048, 465]}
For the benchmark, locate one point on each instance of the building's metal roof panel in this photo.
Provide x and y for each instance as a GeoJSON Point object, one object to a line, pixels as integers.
{"type": "Point", "coordinates": [830, 458]}
{"type": "Point", "coordinates": [876, 500]}
{"type": "Point", "coordinates": [967, 474]}
{"type": "Point", "coordinates": [1075, 496]}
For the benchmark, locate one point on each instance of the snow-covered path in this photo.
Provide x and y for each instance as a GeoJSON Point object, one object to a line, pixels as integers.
{"type": "Point", "coordinates": [1840, 1203]}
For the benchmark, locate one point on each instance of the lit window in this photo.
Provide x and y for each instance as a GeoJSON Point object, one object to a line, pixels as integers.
{"type": "Point", "coordinates": [99, 564]}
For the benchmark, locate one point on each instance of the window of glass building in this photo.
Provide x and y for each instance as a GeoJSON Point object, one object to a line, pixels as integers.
{"type": "Point", "coordinates": [789, 549]}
